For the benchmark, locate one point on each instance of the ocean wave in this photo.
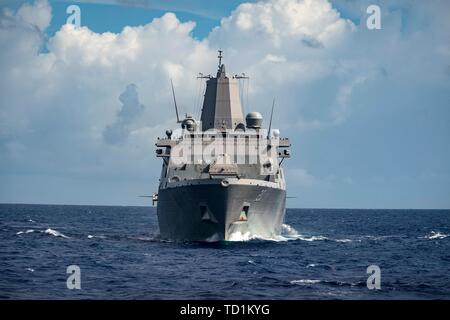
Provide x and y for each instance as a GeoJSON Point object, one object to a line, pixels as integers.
{"type": "Point", "coordinates": [320, 266]}
{"type": "Point", "coordinates": [288, 233]}
{"type": "Point", "coordinates": [246, 236]}
{"type": "Point", "coordinates": [312, 238]}
{"type": "Point", "coordinates": [90, 236]}
{"type": "Point", "coordinates": [436, 235]}
{"type": "Point", "coordinates": [345, 240]}
{"type": "Point", "coordinates": [26, 231]}
{"type": "Point", "coordinates": [292, 234]}
{"type": "Point", "coordinates": [47, 231]}
{"type": "Point", "coordinates": [146, 238]}
{"type": "Point", "coordinates": [55, 233]}
{"type": "Point", "coordinates": [333, 283]}
{"type": "Point", "coordinates": [288, 230]}
{"type": "Point", "coordinates": [305, 281]}
{"type": "Point", "coordinates": [378, 238]}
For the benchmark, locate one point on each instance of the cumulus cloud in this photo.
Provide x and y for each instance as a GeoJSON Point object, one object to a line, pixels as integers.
{"type": "Point", "coordinates": [59, 95]}
{"type": "Point", "coordinates": [64, 98]}
{"type": "Point", "coordinates": [37, 14]}
{"type": "Point", "coordinates": [274, 21]}
{"type": "Point", "coordinates": [118, 132]}
{"type": "Point", "coordinates": [295, 47]}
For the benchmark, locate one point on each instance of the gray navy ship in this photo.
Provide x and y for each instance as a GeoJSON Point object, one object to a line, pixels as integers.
{"type": "Point", "coordinates": [221, 176]}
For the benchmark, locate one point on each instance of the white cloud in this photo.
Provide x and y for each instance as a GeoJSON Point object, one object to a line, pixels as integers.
{"type": "Point", "coordinates": [273, 58]}
{"type": "Point", "coordinates": [341, 110]}
{"type": "Point", "coordinates": [274, 22]}
{"type": "Point", "coordinates": [118, 132]}
{"type": "Point", "coordinates": [56, 104]}
{"type": "Point", "coordinates": [37, 14]}
{"type": "Point", "coordinates": [83, 72]}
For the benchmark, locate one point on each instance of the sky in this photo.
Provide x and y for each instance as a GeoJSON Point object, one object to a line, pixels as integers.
{"type": "Point", "coordinates": [367, 111]}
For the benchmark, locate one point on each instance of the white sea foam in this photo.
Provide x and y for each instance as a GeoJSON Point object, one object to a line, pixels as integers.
{"type": "Point", "coordinates": [288, 233]}
{"type": "Point", "coordinates": [436, 235]}
{"type": "Point", "coordinates": [312, 238]}
{"type": "Point", "coordinates": [239, 236]}
{"type": "Point", "coordinates": [55, 233]}
{"type": "Point", "coordinates": [305, 281]}
{"type": "Point", "coordinates": [90, 236]}
{"type": "Point", "coordinates": [344, 240]}
{"type": "Point", "coordinates": [288, 230]}
{"type": "Point", "coordinates": [48, 231]}
{"type": "Point", "coordinates": [26, 231]}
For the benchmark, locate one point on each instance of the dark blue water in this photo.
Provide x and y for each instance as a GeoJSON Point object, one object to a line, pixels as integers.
{"type": "Point", "coordinates": [120, 256]}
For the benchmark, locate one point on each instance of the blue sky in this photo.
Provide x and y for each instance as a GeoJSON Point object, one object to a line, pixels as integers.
{"type": "Point", "coordinates": [101, 18]}
{"type": "Point", "coordinates": [367, 111]}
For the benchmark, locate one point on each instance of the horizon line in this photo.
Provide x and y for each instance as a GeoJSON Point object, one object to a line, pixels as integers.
{"type": "Point", "coordinates": [150, 206]}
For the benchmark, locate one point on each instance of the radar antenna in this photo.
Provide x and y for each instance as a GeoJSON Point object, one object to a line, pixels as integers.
{"type": "Point", "coordinates": [175, 101]}
{"type": "Point", "coordinates": [220, 57]}
{"type": "Point", "coordinates": [270, 123]}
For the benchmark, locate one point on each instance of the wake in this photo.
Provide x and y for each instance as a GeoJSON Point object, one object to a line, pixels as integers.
{"type": "Point", "coordinates": [288, 233]}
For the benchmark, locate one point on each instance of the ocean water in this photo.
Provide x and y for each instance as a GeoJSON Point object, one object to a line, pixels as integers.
{"type": "Point", "coordinates": [322, 254]}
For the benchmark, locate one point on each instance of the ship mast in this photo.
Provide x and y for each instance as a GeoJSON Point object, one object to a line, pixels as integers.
{"type": "Point", "coordinates": [222, 106]}
{"type": "Point", "coordinates": [220, 57]}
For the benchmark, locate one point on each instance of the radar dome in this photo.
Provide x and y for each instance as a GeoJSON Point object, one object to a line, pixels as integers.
{"type": "Point", "coordinates": [189, 123]}
{"type": "Point", "coordinates": [275, 133]}
{"type": "Point", "coordinates": [254, 120]}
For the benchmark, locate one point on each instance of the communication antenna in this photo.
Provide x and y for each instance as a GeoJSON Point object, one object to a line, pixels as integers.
{"type": "Point", "coordinates": [271, 114]}
{"type": "Point", "coordinates": [220, 56]}
{"type": "Point", "coordinates": [175, 101]}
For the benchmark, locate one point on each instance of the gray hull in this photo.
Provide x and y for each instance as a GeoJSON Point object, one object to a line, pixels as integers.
{"type": "Point", "coordinates": [209, 211]}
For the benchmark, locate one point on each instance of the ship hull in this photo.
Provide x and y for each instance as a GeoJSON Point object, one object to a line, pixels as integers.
{"type": "Point", "coordinates": [214, 211]}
